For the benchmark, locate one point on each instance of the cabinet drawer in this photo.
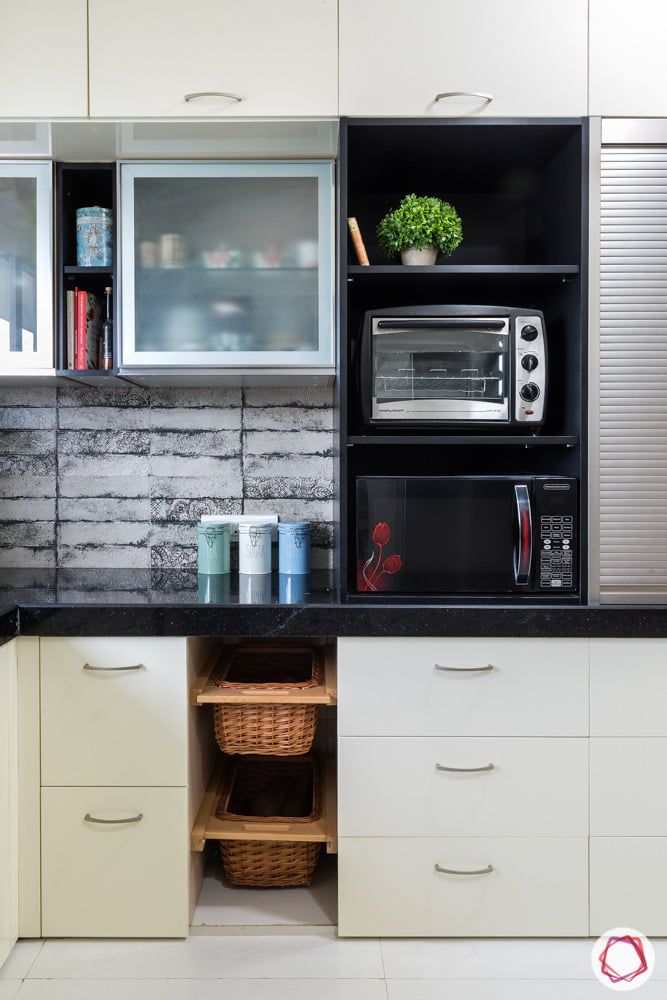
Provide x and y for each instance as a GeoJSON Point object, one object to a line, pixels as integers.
{"type": "Point", "coordinates": [394, 787]}
{"type": "Point", "coordinates": [629, 884]}
{"type": "Point", "coordinates": [114, 879]}
{"type": "Point", "coordinates": [628, 687]}
{"type": "Point", "coordinates": [398, 687]}
{"type": "Point", "coordinates": [110, 726]}
{"type": "Point", "coordinates": [626, 776]}
{"type": "Point", "coordinates": [389, 887]}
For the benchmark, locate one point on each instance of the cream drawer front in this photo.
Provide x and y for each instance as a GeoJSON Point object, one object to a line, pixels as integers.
{"type": "Point", "coordinates": [629, 884]}
{"type": "Point", "coordinates": [114, 880]}
{"type": "Point", "coordinates": [108, 726]}
{"type": "Point", "coordinates": [628, 687]}
{"type": "Point", "coordinates": [394, 787]}
{"type": "Point", "coordinates": [389, 887]}
{"type": "Point", "coordinates": [392, 687]}
{"type": "Point", "coordinates": [626, 779]}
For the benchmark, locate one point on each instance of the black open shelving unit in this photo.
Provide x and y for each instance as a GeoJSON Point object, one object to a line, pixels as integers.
{"type": "Point", "coordinates": [520, 187]}
{"type": "Point", "coordinates": [79, 185]}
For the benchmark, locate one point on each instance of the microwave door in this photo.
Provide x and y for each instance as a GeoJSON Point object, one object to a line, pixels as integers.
{"type": "Point", "coordinates": [443, 535]}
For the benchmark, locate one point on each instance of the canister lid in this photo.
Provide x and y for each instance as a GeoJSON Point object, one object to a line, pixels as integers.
{"type": "Point", "coordinates": [293, 527]}
{"type": "Point", "coordinates": [255, 527]}
{"type": "Point", "coordinates": [207, 530]}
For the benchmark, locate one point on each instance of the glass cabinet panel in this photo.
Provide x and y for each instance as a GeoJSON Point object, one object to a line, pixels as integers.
{"type": "Point", "coordinates": [26, 301]}
{"type": "Point", "coordinates": [227, 264]}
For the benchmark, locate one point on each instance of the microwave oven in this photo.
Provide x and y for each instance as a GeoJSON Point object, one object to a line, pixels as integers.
{"type": "Point", "coordinates": [450, 535]}
{"type": "Point", "coordinates": [453, 364]}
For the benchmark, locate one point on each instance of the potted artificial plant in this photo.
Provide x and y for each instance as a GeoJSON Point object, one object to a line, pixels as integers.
{"type": "Point", "coordinates": [420, 228]}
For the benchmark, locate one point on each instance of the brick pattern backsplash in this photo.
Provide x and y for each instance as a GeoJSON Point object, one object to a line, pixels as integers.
{"type": "Point", "coordinates": [119, 475]}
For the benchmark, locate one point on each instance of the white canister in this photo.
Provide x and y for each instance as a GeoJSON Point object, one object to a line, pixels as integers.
{"type": "Point", "coordinates": [255, 548]}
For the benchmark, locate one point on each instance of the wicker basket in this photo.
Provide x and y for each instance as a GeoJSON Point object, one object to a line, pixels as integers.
{"type": "Point", "coordinates": [276, 729]}
{"type": "Point", "coordinates": [269, 863]}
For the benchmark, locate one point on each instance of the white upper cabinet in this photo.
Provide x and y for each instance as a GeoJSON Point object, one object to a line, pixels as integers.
{"type": "Point", "coordinates": [627, 58]}
{"type": "Point", "coordinates": [43, 59]}
{"type": "Point", "coordinates": [529, 58]}
{"type": "Point", "coordinates": [258, 56]}
{"type": "Point", "coordinates": [8, 801]}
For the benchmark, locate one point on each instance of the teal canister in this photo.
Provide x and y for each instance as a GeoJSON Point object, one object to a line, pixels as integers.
{"type": "Point", "coordinates": [213, 548]}
{"type": "Point", "coordinates": [294, 548]}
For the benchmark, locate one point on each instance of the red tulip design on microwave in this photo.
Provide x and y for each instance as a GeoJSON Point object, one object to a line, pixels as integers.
{"type": "Point", "coordinates": [378, 565]}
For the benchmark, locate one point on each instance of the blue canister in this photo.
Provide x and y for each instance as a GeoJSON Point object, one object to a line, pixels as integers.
{"type": "Point", "coordinates": [293, 588]}
{"type": "Point", "coordinates": [213, 548]}
{"type": "Point", "coordinates": [294, 548]}
{"type": "Point", "coordinates": [94, 235]}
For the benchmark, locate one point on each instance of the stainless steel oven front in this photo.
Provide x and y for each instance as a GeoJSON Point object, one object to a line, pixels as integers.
{"type": "Point", "coordinates": [435, 365]}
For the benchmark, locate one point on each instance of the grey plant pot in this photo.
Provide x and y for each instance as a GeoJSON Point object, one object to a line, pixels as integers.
{"type": "Point", "coordinates": [413, 256]}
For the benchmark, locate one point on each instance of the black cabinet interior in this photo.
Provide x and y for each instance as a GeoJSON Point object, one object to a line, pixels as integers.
{"type": "Point", "coordinates": [520, 188]}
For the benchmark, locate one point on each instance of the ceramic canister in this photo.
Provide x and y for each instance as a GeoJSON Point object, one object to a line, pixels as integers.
{"type": "Point", "coordinates": [94, 235]}
{"type": "Point", "coordinates": [294, 547]}
{"type": "Point", "coordinates": [213, 548]}
{"type": "Point", "coordinates": [255, 548]}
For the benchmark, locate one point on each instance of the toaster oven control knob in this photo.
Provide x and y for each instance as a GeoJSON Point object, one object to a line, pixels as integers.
{"type": "Point", "coordinates": [529, 362]}
{"type": "Point", "coordinates": [529, 392]}
{"type": "Point", "coordinates": [528, 332]}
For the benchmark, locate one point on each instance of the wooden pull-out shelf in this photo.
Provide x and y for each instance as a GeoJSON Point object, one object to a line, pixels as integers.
{"type": "Point", "coordinates": [205, 691]}
{"type": "Point", "coordinates": [323, 830]}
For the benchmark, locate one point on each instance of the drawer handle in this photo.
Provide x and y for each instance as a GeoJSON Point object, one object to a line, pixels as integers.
{"type": "Point", "coordinates": [211, 93]}
{"type": "Point", "coordinates": [113, 822]}
{"type": "Point", "coordinates": [487, 98]}
{"type": "Point", "coordinates": [465, 670]}
{"type": "Point", "coordinates": [457, 871]}
{"type": "Point", "coordinates": [467, 770]}
{"type": "Point", "coordinates": [112, 670]}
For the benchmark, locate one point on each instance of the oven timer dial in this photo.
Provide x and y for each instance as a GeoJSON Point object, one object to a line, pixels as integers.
{"type": "Point", "coordinates": [529, 392]}
{"type": "Point", "coordinates": [529, 332]}
{"type": "Point", "coordinates": [529, 362]}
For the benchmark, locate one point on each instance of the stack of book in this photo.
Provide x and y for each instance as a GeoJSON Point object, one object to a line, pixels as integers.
{"type": "Point", "coordinates": [84, 329]}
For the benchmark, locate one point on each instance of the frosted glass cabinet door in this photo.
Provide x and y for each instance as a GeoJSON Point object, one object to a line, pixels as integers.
{"type": "Point", "coordinates": [26, 305]}
{"type": "Point", "coordinates": [227, 265]}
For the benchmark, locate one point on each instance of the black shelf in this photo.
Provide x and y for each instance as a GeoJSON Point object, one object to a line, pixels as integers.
{"type": "Point", "coordinates": [72, 269]}
{"type": "Point", "coordinates": [502, 440]}
{"type": "Point", "coordinates": [520, 270]}
{"type": "Point", "coordinates": [84, 373]}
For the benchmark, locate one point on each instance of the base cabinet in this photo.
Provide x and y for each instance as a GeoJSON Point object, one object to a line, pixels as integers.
{"type": "Point", "coordinates": [391, 887]}
{"type": "Point", "coordinates": [8, 801]}
{"type": "Point", "coordinates": [629, 884]}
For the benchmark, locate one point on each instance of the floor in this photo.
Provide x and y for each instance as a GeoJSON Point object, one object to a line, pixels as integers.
{"type": "Point", "coordinates": [284, 965]}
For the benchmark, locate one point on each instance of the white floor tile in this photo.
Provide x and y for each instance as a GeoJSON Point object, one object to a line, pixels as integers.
{"type": "Point", "coordinates": [202, 989]}
{"type": "Point", "coordinates": [10, 987]}
{"type": "Point", "coordinates": [487, 959]}
{"type": "Point", "coordinates": [220, 905]}
{"type": "Point", "coordinates": [508, 989]}
{"type": "Point", "coordinates": [316, 956]}
{"type": "Point", "coordinates": [20, 960]}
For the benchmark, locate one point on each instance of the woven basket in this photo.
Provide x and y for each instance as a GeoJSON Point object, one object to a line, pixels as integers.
{"type": "Point", "coordinates": [276, 729]}
{"type": "Point", "coordinates": [268, 863]}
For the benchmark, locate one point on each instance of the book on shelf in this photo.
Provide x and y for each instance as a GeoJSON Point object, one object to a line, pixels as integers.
{"type": "Point", "coordinates": [88, 330]}
{"type": "Point", "coordinates": [70, 327]}
{"type": "Point", "coordinates": [358, 242]}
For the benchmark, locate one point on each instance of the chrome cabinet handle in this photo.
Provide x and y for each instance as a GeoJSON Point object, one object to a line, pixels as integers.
{"type": "Point", "coordinates": [466, 670]}
{"type": "Point", "coordinates": [457, 871]}
{"type": "Point", "coordinates": [113, 822]}
{"type": "Point", "coordinates": [133, 666]}
{"type": "Point", "coordinates": [466, 770]}
{"type": "Point", "coordinates": [211, 93]}
{"type": "Point", "coordinates": [487, 98]}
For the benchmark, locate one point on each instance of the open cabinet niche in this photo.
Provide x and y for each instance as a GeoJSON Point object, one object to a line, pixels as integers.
{"type": "Point", "coordinates": [213, 901]}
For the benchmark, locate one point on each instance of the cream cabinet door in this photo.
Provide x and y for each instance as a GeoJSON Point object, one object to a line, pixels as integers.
{"type": "Point", "coordinates": [530, 58]}
{"type": "Point", "coordinates": [114, 711]}
{"type": "Point", "coordinates": [269, 58]}
{"type": "Point", "coordinates": [8, 801]}
{"type": "Point", "coordinates": [627, 58]}
{"type": "Point", "coordinates": [43, 59]}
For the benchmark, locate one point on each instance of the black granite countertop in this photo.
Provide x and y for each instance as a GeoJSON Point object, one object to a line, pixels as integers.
{"type": "Point", "coordinates": [177, 602]}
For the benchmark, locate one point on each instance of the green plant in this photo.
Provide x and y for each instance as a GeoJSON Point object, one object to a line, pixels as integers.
{"type": "Point", "coordinates": [420, 221]}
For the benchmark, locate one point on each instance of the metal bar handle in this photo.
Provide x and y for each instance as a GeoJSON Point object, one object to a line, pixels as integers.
{"type": "Point", "coordinates": [457, 871]}
{"type": "Point", "coordinates": [523, 553]}
{"type": "Point", "coordinates": [113, 822]}
{"type": "Point", "coordinates": [467, 770]}
{"type": "Point", "coordinates": [465, 670]}
{"type": "Point", "coordinates": [211, 93]}
{"type": "Point", "coordinates": [113, 670]}
{"type": "Point", "coordinates": [487, 98]}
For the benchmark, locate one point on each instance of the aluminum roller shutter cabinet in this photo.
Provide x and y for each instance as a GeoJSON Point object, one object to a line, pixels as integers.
{"type": "Point", "coordinates": [633, 374]}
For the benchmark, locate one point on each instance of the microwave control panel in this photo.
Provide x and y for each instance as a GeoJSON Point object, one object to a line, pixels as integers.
{"type": "Point", "coordinates": [556, 552]}
{"type": "Point", "coordinates": [530, 374]}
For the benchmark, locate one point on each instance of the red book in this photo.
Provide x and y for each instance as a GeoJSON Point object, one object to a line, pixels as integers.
{"type": "Point", "coordinates": [80, 360]}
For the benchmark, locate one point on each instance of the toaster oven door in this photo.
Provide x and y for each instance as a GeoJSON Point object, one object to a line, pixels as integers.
{"type": "Point", "coordinates": [440, 370]}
